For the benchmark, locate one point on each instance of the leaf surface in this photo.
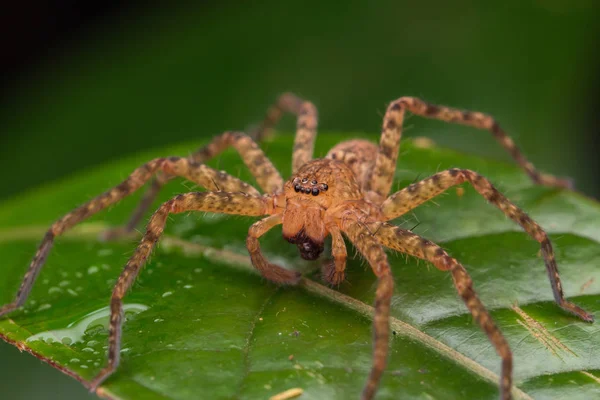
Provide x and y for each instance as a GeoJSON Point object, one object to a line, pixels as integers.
{"type": "Point", "coordinates": [202, 324]}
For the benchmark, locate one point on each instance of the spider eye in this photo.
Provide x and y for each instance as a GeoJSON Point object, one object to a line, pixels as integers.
{"type": "Point", "coordinates": [297, 188]}
{"type": "Point", "coordinates": [313, 182]}
{"type": "Point", "coordinates": [306, 190]}
{"type": "Point", "coordinates": [304, 180]}
{"type": "Point", "coordinates": [324, 187]}
{"type": "Point", "coordinates": [315, 191]}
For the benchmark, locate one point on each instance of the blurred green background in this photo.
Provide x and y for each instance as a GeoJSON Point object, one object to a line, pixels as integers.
{"type": "Point", "coordinates": [144, 77]}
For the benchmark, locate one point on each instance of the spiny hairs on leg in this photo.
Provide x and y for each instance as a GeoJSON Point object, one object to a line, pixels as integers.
{"type": "Point", "coordinates": [220, 202]}
{"type": "Point", "coordinates": [407, 242]}
{"type": "Point", "coordinates": [419, 192]}
{"type": "Point", "coordinates": [383, 173]}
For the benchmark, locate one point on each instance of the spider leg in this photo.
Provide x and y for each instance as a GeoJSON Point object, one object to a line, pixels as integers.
{"type": "Point", "coordinates": [407, 242]}
{"type": "Point", "coordinates": [418, 193]}
{"type": "Point", "coordinates": [198, 173]}
{"type": "Point", "coordinates": [286, 103]}
{"type": "Point", "coordinates": [372, 250]}
{"type": "Point", "coordinates": [334, 272]}
{"type": "Point", "coordinates": [260, 166]}
{"type": "Point", "coordinates": [272, 272]}
{"type": "Point", "coordinates": [383, 173]}
{"type": "Point", "coordinates": [306, 132]}
{"type": "Point", "coordinates": [219, 202]}
{"type": "Point", "coordinates": [306, 126]}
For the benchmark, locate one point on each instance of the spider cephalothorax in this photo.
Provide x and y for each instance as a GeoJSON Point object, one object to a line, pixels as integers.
{"type": "Point", "coordinates": [345, 194]}
{"type": "Point", "coordinates": [318, 186]}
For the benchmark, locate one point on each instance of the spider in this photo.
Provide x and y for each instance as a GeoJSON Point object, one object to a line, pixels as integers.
{"type": "Point", "coordinates": [347, 193]}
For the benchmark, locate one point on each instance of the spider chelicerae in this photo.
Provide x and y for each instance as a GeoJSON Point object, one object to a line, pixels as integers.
{"type": "Point", "coordinates": [347, 193]}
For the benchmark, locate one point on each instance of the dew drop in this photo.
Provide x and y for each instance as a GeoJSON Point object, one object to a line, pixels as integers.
{"type": "Point", "coordinates": [104, 252]}
{"type": "Point", "coordinates": [43, 307]}
{"type": "Point", "coordinates": [74, 360]}
{"type": "Point", "coordinates": [86, 349]}
{"type": "Point", "coordinates": [188, 286]}
{"type": "Point", "coordinates": [64, 283]}
{"type": "Point", "coordinates": [167, 294]}
{"type": "Point", "coordinates": [76, 330]}
{"type": "Point", "coordinates": [92, 270]}
{"type": "Point", "coordinates": [158, 320]}
{"type": "Point", "coordinates": [54, 289]}
{"type": "Point", "coordinates": [83, 366]}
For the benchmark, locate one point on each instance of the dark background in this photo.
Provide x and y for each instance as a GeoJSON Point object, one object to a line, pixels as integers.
{"type": "Point", "coordinates": [83, 84]}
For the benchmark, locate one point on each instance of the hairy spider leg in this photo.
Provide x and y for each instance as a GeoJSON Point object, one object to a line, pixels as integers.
{"type": "Point", "coordinates": [306, 126]}
{"type": "Point", "coordinates": [272, 272]}
{"type": "Point", "coordinates": [373, 252]}
{"type": "Point", "coordinates": [287, 102]}
{"type": "Point", "coordinates": [197, 173]}
{"type": "Point", "coordinates": [218, 202]}
{"type": "Point", "coordinates": [407, 242]}
{"type": "Point", "coordinates": [306, 132]}
{"type": "Point", "coordinates": [385, 165]}
{"type": "Point", "coordinates": [267, 177]}
{"type": "Point", "coordinates": [419, 192]}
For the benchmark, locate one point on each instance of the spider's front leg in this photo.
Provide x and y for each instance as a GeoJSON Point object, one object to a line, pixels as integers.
{"type": "Point", "coordinates": [389, 145]}
{"type": "Point", "coordinates": [409, 243]}
{"type": "Point", "coordinates": [197, 173]}
{"type": "Point", "coordinates": [418, 193]}
{"type": "Point", "coordinates": [220, 202]}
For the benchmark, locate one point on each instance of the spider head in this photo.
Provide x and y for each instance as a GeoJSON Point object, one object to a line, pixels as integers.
{"type": "Point", "coordinates": [317, 186]}
{"type": "Point", "coordinates": [325, 182]}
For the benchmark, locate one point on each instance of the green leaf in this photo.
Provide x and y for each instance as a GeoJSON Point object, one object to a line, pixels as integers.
{"type": "Point", "coordinates": [201, 324]}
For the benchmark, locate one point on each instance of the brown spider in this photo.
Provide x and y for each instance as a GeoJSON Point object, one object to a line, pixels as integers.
{"type": "Point", "coordinates": [347, 192]}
